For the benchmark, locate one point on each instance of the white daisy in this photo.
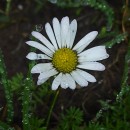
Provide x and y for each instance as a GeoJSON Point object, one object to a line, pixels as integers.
{"type": "Point", "coordinates": [66, 61]}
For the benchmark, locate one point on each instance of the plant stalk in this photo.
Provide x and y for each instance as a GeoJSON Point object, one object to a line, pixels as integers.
{"type": "Point", "coordinates": [51, 109]}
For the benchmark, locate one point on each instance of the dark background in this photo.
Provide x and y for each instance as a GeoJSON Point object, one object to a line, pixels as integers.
{"type": "Point", "coordinates": [23, 18]}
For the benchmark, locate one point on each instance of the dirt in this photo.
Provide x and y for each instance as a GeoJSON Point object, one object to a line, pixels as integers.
{"type": "Point", "coordinates": [15, 32]}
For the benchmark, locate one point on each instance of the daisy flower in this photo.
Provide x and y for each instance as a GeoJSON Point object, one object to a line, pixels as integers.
{"type": "Point", "coordinates": [66, 62]}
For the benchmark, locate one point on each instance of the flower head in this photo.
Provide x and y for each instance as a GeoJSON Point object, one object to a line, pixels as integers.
{"type": "Point", "coordinates": [66, 61]}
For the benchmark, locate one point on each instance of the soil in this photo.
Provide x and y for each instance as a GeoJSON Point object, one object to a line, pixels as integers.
{"type": "Point", "coordinates": [23, 18]}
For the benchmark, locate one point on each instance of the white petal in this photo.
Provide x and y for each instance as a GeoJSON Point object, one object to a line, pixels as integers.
{"type": "Point", "coordinates": [93, 54]}
{"type": "Point", "coordinates": [41, 81]}
{"type": "Point", "coordinates": [86, 75]}
{"type": "Point", "coordinates": [40, 47]}
{"type": "Point", "coordinates": [41, 67]}
{"type": "Point", "coordinates": [40, 37]}
{"type": "Point", "coordinates": [57, 31]}
{"type": "Point", "coordinates": [57, 82]}
{"type": "Point", "coordinates": [64, 82]}
{"type": "Point", "coordinates": [47, 74]}
{"type": "Point", "coordinates": [73, 30]}
{"type": "Point", "coordinates": [71, 81]}
{"type": "Point", "coordinates": [68, 39]}
{"type": "Point", "coordinates": [92, 66]}
{"type": "Point", "coordinates": [64, 30]}
{"type": "Point", "coordinates": [34, 56]}
{"type": "Point", "coordinates": [79, 79]}
{"type": "Point", "coordinates": [50, 34]}
{"type": "Point", "coordinates": [85, 41]}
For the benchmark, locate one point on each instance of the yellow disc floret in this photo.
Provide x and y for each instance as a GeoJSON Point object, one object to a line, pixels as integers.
{"type": "Point", "coordinates": [65, 60]}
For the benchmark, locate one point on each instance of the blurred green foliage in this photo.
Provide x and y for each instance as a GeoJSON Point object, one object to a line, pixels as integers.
{"type": "Point", "coordinates": [112, 115]}
{"type": "Point", "coordinates": [37, 124]}
{"type": "Point", "coordinates": [71, 120]}
{"type": "Point", "coordinates": [7, 89]}
{"type": "Point", "coordinates": [101, 5]}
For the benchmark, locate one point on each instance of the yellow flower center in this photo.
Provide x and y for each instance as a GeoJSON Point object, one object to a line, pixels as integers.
{"type": "Point", "coordinates": [65, 60]}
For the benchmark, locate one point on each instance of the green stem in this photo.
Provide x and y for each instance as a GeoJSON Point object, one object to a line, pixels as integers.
{"type": "Point", "coordinates": [8, 5]}
{"type": "Point", "coordinates": [26, 100]}
{"type": "Point", "coordinates": [7, 89]}
{"type": "Point", "coordinates": [52, 106]}
{"type": "Point", "coordinates": [26, 104]}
